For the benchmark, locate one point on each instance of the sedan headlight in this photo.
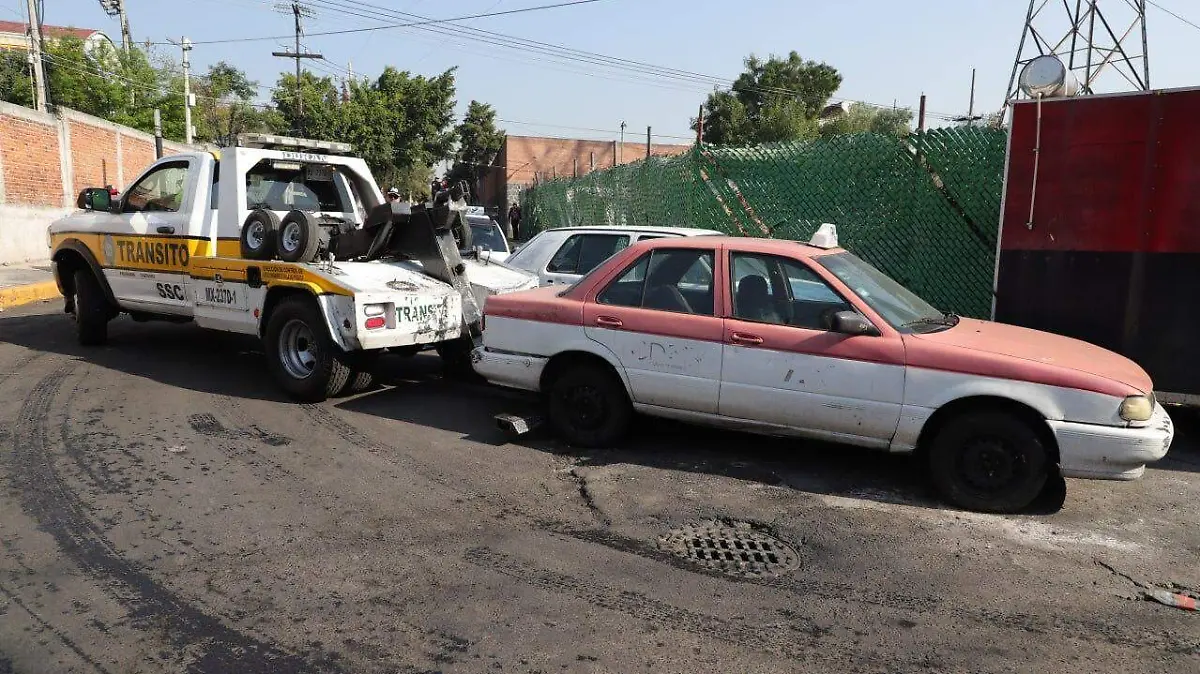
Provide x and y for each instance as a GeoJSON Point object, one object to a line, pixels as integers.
{"type": "Point", "coordinates": [1137, 408]}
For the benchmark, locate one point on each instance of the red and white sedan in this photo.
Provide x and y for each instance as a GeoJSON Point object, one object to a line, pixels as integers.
{"type": "Point", "coordinates": [789, 338]}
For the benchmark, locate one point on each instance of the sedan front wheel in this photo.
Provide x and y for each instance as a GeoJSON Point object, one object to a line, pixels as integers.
{"type": "Point", "coordinates": [988, 461]}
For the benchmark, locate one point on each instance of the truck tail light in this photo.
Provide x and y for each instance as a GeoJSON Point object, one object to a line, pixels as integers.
{"type": "Point", "coordinates": [375, 322]}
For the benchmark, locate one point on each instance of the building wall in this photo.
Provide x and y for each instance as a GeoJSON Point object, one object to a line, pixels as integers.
{"type": "Point", "coordinates": [526, 158]}
{"type": "Point", "coordinates": [47, 159]}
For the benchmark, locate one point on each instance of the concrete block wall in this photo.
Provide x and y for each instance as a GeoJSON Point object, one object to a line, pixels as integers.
{"type": "Point", "coordinates": [47, 159]}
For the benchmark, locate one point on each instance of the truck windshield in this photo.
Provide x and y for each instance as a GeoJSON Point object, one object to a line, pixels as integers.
{"type": "Point", "coordinates": [308, 187]}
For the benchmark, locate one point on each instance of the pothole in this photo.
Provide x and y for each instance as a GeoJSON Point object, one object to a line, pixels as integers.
{"type": "Point", "coordinates": [735, 548]}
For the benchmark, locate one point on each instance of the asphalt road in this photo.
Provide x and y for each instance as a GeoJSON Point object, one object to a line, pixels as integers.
{"type": "Point", "coordinates": [165, 511]}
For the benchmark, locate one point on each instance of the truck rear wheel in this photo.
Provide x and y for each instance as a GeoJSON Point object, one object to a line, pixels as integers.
{"type": "Point", "coordinates": [302, 356]}
{"type": "Point", "coordinates": [299, 237]}
{"type": "Point", "coordinates": [92, 310]}
{"type": "Point", "coordinates": [456, 358]}
{"type": "Point", "coordinates": [362, 373]}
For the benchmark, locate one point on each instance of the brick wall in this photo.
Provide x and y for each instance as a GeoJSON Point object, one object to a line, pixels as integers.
{"type": "Point", "coordinates": [524, 157]}
{"type": "Point", "coordinates": [37, 151]}
{"type": "Point", "coordinates": [46, 160]}
{"type": "Point", "coordinates": [29, 158]}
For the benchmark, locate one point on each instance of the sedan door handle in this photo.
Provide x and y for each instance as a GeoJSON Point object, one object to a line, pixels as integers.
{"type": "Point", "coordinates": [608, 322]}
{"type": "Point", "coordinates": [166, 229]}
{"type": "Point", "coordinates": [745, 339]}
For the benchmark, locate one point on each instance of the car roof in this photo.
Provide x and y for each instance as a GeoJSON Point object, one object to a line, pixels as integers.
{"type": "Point", "coordinates": [743, 244]}
{"type": "Point", "coordinates": [678, 231]}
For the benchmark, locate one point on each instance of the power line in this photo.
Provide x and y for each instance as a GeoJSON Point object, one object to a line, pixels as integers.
{"type": "Point", "coordinates": [683, 79]}
{"type": "Point", "coordinates": [584, 128]}
{"type": "Point", "coordinates": [349, 31]}
{"type": "Point", "coordinates": [1187, 21]}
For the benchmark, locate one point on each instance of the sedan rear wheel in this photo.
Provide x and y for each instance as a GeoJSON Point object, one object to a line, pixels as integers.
{"type": "Point", "coordinates": [589, 407]}
{"type": "Point", "coordinates": [989, 461]}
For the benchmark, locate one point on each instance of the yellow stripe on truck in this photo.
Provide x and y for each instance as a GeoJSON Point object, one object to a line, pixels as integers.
{"type": "Point", "coordinates": [147, 252]}
{"type": "Point", "coordinates": [194, 256]}
{"type": "Point", "coordinates": [273, 274]}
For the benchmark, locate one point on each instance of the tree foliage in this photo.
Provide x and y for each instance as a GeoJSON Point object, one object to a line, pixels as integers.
{"type": "Point", "coordinates": [479, 141]}
{"type": "Point", "coordinates": [399, 123]}
{"type": "Point", "coordinates": [774, 100]}
{"type": "Point", "coordinates": [862, 118]}
{"type": "Point", "coordinates": [225, 106]}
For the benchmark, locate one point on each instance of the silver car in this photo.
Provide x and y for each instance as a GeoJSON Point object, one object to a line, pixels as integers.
{"type": "Point", "coordinates": [564, 255]}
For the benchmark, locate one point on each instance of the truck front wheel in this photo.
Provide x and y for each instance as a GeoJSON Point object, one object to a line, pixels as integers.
{"type": "Point", "coordinates": [92, 310]}
{"type": "Point", "coordinates": [302, 356]}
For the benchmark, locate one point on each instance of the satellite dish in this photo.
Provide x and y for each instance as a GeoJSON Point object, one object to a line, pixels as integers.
{"type": "Point", "coordinates": [1047, 77]}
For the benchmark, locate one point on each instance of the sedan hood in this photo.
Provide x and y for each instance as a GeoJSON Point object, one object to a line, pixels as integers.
{"type": "Point", "coordinates": [1041, 348]}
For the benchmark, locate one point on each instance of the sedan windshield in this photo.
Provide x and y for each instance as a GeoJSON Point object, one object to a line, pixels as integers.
{"type": "Point", "coordinates": [899, 306]}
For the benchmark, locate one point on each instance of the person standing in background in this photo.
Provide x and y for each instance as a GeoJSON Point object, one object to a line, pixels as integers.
{"type": "Point", "coordinates": [514, 221]}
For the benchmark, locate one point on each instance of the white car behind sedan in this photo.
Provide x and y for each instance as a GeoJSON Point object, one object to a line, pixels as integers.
{"type": "Point", "coordinates": [564, 255]}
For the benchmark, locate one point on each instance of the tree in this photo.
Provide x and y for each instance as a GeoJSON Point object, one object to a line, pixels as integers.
{"type": "Point", "coordinates": [15, 86]}
{"type": "Point", "coordinates": [773, 100]}
{"type": "Point", "coordinates": [479, 141]}
{"type": "Point", "coordinates": [224, 105]}
{"type": "Point", "coordinates": [863, 118]}
{"type": "Point", "coordinates": [400, 124]}
{"type": "Point", "coordinates": [321, 118]}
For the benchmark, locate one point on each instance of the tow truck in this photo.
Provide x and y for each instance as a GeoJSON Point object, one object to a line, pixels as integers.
{"type": "Point", "coordinates": [287, 239]}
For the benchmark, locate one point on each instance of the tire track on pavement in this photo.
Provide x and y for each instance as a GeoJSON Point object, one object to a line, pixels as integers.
{"type": "Point", "coordinates": [46, 498]}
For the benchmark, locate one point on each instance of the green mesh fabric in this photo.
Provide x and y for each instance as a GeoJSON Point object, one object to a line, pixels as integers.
{"type": "Point", "coordinates": [924, 209]}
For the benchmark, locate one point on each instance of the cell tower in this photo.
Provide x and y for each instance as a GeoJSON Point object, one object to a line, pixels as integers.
{"type": "Point", "coordinates": [1100, 49]}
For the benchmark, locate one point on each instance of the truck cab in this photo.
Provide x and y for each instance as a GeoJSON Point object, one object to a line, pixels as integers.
{"type": "Point", "coordinates": [228, 238]}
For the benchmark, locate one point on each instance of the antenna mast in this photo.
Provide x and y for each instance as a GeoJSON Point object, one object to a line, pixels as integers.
{"type": "Point", "coordinates": [1089, 41]}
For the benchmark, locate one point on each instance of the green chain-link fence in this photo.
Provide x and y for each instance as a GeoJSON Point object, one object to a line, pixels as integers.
{"type": "Point", "coordinates": [924, 209]}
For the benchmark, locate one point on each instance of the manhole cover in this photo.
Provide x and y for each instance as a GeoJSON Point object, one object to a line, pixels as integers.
{"type": "Point", "coordinates": [736, 548]}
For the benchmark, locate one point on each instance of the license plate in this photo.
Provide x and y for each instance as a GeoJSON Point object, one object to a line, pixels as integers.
{"type": "Point", "coordinates": [220, 295]}
{"type": "Point", "coordinates": [420, 313]}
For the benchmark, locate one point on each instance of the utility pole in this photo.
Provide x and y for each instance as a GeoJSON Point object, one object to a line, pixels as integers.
{"type": "Point", "coordinates": [921, 116]}
{"type": "Point", "coordinates": [188, 100]}
{"type": "Point", "coordinates": [621, 147]}
{"type": "Point", "coordinates": [647, 142]}
{"type": "Point", "coordinates": [700, 126]}
{"type": "Point", "coordinates": [298, 10]}
{"type": "Point", "coordinates": [970, 119]}
{"type": "Point", "coordinates": [158, 137]}
{"type": "Point", "coordinates": [117, 8]}
{"type": "Point", "coordinates": [35, 55]}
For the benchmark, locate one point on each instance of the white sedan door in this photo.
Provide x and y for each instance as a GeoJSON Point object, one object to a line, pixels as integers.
{"type": "Point", "coordinates": [658, 318]}
{"type": "Point", "coordinates": [784, 366]}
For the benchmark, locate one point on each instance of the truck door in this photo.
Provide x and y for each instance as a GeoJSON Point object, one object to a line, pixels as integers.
{"type": "Point", "coordinates": [149, 245]}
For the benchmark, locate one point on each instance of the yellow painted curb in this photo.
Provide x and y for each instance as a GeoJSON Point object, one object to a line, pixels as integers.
{"type": "Point", "coordinates": [33, 292]}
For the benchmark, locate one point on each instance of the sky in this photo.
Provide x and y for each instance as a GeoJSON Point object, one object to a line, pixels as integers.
{"type": "Point", "coordinates": [889, 52]}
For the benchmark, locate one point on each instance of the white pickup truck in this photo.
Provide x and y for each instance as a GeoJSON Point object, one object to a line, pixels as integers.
{"type": "Point", "coordinates": [197, 237]}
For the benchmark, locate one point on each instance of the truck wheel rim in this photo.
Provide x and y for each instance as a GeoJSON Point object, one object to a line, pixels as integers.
{"type": "Point", "coordinates": [297, 349]}
{"type": "Point", "coordinates": [291, 237]}
{"type": "Point", "coordinates": [254, 235]}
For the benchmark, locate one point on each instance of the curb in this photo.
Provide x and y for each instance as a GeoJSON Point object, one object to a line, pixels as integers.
{"type": "Point", "coordinates": [25, 294]}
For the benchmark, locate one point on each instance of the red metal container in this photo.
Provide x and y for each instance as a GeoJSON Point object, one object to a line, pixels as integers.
{"type": "Point", "coordinates": [1100, 227]}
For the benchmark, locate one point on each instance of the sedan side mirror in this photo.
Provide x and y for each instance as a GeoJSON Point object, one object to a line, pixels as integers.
{"type": "Point", "coordinates": [853, 323]}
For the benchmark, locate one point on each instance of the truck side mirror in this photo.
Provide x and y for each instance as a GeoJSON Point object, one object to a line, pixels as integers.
{"type": "Point", "coordinates": [95, 199]}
